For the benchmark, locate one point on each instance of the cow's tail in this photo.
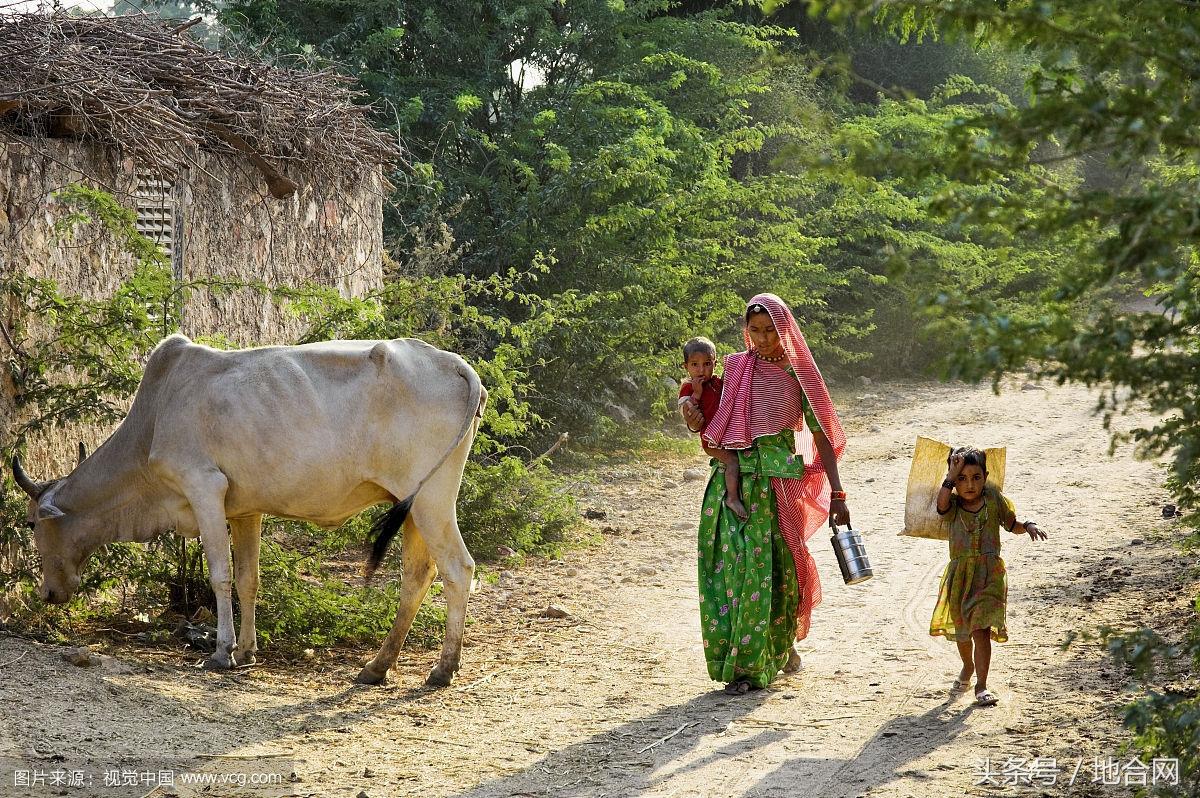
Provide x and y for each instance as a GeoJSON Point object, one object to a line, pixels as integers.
{"type": "Point", "coordinates": [384, 530]}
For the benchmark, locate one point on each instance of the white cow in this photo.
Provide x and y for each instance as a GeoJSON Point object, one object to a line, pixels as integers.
{"type": "Point", "coordinates": [315, 432]}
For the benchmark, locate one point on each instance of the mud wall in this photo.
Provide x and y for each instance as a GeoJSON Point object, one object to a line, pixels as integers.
{"type": "Point", "coordinates": [225, 224]}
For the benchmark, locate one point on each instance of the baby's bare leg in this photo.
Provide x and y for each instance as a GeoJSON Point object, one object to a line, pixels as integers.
{"type": "Point", "coordinates": [733, 489]}
{"type": "Point", "coordinates": [733, 492]}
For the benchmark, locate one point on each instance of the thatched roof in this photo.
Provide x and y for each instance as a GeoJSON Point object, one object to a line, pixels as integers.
{"type": "Point", "coordinates": [142, 86]}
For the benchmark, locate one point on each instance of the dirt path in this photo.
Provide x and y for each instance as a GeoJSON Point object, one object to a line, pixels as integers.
{"type": "Point", "coordinates": [614, 700]}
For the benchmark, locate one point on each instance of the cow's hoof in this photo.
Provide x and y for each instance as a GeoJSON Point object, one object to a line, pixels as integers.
{"type": "Point", "coordinates": [244, 658]}
{"type": "Point", "coordinates": [368, 676]}
{"type": "Point", "coordinates": [440, 677]}
{"type": "Point", "coordinates": [215, 663]}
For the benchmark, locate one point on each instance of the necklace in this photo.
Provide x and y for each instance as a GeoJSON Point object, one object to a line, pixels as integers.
{"type": "Point", "coordinates": [775, 359]}
{"type": "Point", "coordinates": [980, 517]}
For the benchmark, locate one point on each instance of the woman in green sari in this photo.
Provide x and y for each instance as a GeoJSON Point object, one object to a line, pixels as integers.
{"type": "Point", "coordinates": [758, 582]}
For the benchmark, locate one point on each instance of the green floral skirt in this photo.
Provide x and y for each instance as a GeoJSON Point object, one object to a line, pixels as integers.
{"type": "Point", "coordinates": [747, 578]}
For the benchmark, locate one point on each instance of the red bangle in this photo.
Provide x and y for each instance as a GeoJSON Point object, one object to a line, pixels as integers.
{"type": "Point", "coordinates": [837, 496]}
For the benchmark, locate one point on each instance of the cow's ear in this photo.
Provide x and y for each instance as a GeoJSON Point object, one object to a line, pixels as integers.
{"type": "Point", "coordinates": [48, 510]}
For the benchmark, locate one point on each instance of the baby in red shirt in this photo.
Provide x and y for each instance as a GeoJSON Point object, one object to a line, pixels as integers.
{"type": "Point", "coordinates": [702, 388]}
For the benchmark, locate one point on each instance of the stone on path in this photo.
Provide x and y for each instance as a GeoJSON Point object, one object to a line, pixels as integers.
{"type": "Point", "coordinates": [80, 657]}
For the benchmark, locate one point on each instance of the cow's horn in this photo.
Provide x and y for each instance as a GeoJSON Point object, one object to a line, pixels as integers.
{"type": "Point", "coordinates": [82, 452]}
{"type": "Point", "coordinates": [27, 484]}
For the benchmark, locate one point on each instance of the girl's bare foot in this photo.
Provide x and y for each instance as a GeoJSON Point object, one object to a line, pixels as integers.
{"type": "Point", "coordinates": [738, 508]}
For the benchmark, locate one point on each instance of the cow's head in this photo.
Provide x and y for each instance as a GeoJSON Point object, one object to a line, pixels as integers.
{"type": "Point", "coordinates": [57, 541]}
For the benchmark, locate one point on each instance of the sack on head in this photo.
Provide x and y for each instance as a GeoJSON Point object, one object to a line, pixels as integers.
{"type": "Point", "coordinates": [921, 519]}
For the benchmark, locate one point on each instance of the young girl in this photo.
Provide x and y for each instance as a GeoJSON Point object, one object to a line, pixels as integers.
{"type": "Point", "coordinates": [971, 603]}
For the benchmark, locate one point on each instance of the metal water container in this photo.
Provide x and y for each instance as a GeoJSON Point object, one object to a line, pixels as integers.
{"type": "Point", "coordinates": [851, 555]}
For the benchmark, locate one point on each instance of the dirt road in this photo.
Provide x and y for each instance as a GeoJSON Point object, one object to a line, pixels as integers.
{"type": "Point", "coordinates": [614, 699]}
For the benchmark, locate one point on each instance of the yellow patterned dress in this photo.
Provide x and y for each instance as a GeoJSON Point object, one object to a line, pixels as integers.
{"type": "Point", "coordinates": [974, 591]}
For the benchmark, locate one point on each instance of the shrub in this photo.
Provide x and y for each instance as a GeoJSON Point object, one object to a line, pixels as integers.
{"type": "Point", "coordinates": [511, 503]}
{"type": "Point", "coordinates": [1165, 719]}
{"type": "Point", "coordinates": [300, 603]}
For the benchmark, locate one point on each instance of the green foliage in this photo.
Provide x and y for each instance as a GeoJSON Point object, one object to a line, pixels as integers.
{"type": "Point", "coordinates": [79, 360]}
{"type": "Point", "coordinates": [302, 604]}
{"type": "Point", "coordinates": [652, 159]}
{"type": "Point", "coordinates": [1114, 81]}
{"type": "Point", "coordinates": [866, 63]}
{"type": "Point", "coordinates": [16, 542]}
{"type": "Point", "coordinates": [75, 359]}
{"type": "Point", "coordinates": [886, 197]}
{"type": "Point", "coordinates": [1166, 719]}
{"type": "Point", "coordinates": [610, 144]}
{"type": "Point", "coordinates": [515, 504]}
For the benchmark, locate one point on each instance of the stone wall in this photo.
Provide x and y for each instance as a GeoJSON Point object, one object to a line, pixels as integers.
{"type": "Point", "coordinates": [231, 227]}
{"type": "Point", "coordinates": [328, 235]}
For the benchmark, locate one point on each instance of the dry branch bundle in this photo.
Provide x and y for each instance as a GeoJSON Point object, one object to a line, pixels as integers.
{"type": "Point", "coordinates": [141, 85]}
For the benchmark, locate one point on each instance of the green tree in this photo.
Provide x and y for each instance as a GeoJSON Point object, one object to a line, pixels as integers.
{"type": "Point", "coordinates": [884, 207]}
{"type": "Point", "coordinates": [603, 150]}
{"type": "Point", "coordinates": [866, 62]}
{"type": "Point", "coordinates": [1114, 80]}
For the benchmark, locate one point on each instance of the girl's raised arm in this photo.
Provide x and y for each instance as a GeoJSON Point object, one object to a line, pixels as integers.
{"type": "Point", "coordinates": [943, 498]}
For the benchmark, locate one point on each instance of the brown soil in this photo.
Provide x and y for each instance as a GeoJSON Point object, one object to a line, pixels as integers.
{"type": "Point", "coordinates": [614, 700]}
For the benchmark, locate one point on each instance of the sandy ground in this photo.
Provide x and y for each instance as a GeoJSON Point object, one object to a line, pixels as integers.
{"type": "Point", "coordinates": [614, 700]}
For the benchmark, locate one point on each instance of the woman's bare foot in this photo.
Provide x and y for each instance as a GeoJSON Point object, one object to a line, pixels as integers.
{"type": "Point", "coordinates": [793, 661]}
{"type": "Point", "coordinates": [739, 687]}
{"type": "Point", "coordinates": [735, 504]}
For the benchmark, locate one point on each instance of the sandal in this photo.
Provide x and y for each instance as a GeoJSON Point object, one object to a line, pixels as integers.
{"type": "Point", "coordinates": [959, 685]}
{"type": "Point", "coordinates": [793, 664]}
{"type": "Point", "coordinates": [739, 687]}
{"type": "Point", "coordinates": [986, 698]}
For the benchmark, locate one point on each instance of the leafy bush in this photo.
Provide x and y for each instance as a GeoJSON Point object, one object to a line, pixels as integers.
{"type": "Point", "coordinates": [511, 503]}
{"type": "Point", "coordinates": [300, 603]}
{"type": "Point", "coordinates": [1165, 719]}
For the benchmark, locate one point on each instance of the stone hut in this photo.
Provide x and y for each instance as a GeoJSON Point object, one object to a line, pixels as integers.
{"type": "Point", "coordinates": [239, 170]}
